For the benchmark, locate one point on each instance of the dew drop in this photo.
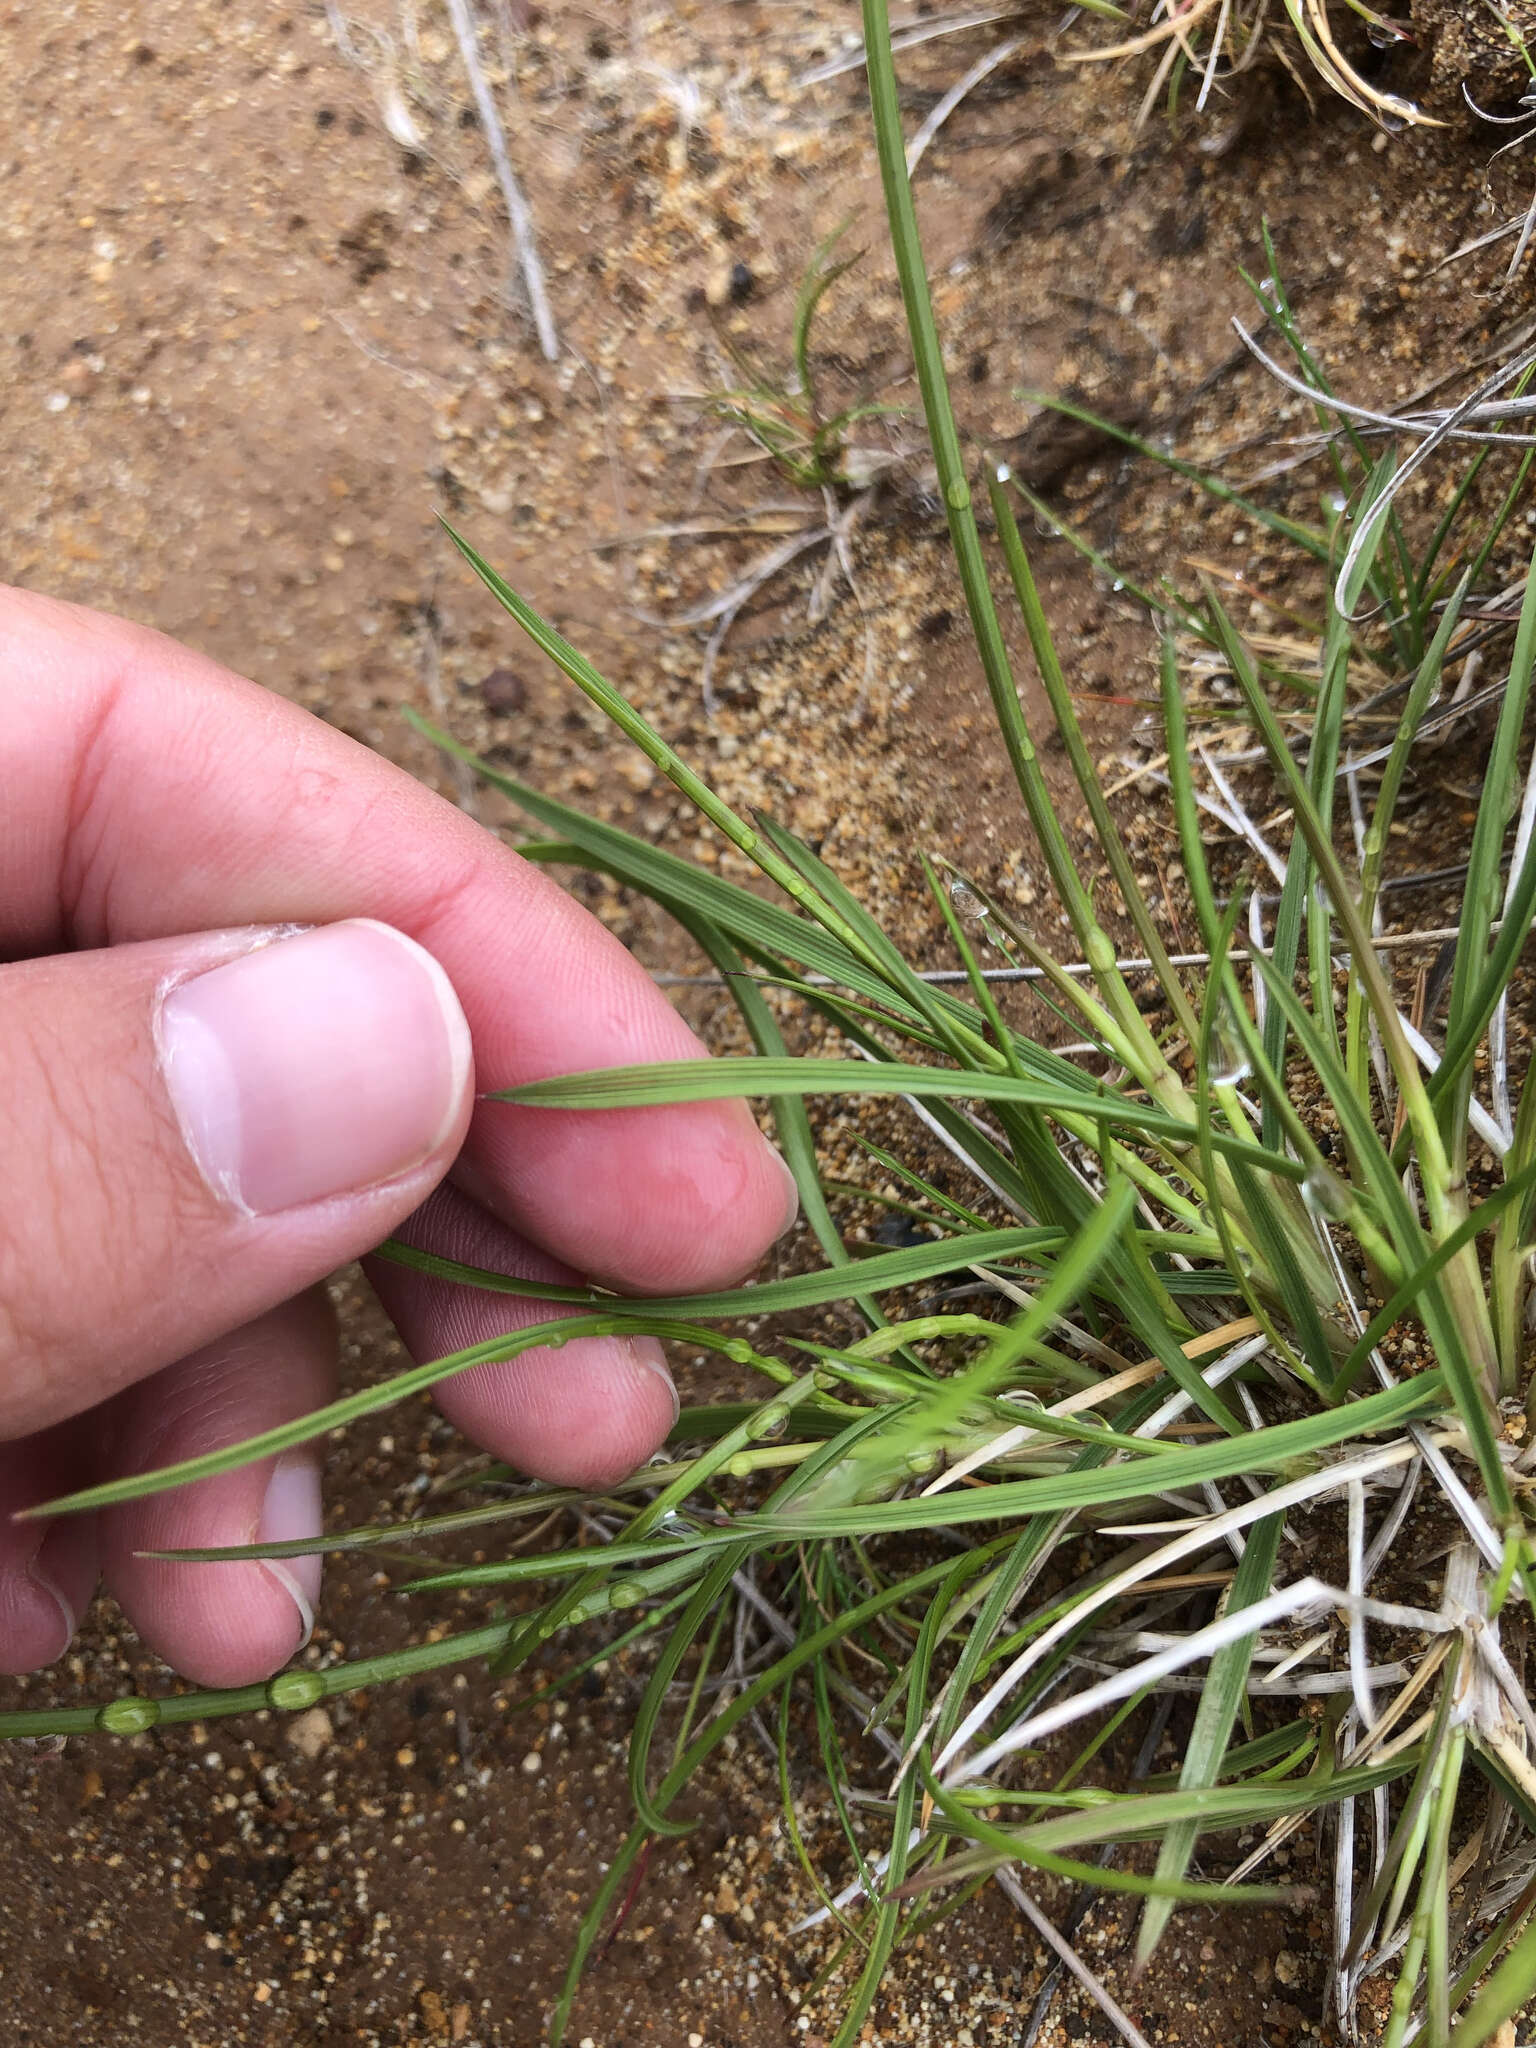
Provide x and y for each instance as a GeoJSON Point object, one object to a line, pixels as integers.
{"type": "Point", "coordinates": [1325, 1194]}
{"type": "Point", "coordinates": [1004, 473]}
{"type": "Point", "coordinates": [128, 1717]}
{"type": "Point", "coordinates": [770, 1422]}
{"type": "Point", "coordinates": [921, 1463]}
{"type": "Point", "coordinates": [966, 903]}
{"type": "Point", "coordinates": [1230, 1065]}
{"type": "Point", "coordinates": [295, 1689]}
{"type": "Point", "coordinates": [625, 1596]}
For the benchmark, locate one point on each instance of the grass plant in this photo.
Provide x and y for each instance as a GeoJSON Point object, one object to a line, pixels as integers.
{"type": "Point", "coordinates": [1202, 45]}
{"type": "Point", "coordinates": [780, 409]}
{"type": "Point", "coordinates": [1255, 1279]}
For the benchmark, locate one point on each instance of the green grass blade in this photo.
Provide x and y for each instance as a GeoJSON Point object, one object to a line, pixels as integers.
{"type": "Point", "coordinates": [305, 1429]}
{"type": "Point", "coordinates": [1309, 538]}
{"type": "Point", "coordinates": [1507, 1995]}
{"type": "Point", "coordinates": [698, 792]}
{"type": "Point", "coordinates": [1482, 888]}
{"type": "Point", "coordinates": [1221, 1696]}
{"type": "Point", "coordinates": [721, 1079]}
{"type": "Point", "coordinates": [1272, 1449]}
{"type": "Point", "coordinates": [1106, 832]}
{"type": "Point", "coordinates": [881, 1271]}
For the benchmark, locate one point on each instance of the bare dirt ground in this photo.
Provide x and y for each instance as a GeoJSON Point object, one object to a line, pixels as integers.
{"type": "Point", "coordinates": [249, 344]}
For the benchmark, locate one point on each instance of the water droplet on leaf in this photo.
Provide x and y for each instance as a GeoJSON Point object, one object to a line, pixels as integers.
{"type": "Point", "coordinates": [1325, 1194]}
{"type": "Point", "coordinates": [966, 903]}
{"type": "Point", "coordinates": [1230, 1064]}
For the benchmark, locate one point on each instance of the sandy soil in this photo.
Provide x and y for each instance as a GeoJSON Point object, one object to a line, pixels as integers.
{"type": "Point", "coordinates": [249, 346]}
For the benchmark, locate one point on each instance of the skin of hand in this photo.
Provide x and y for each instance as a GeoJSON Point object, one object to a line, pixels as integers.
{"type": "Point", "coordinates": [255, 982]}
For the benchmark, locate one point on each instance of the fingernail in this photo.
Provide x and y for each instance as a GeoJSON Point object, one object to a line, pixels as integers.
{"type": "Point", "coordinates": [316, 1066]}
{"type": "Point", "coordinates": [647, 1352]}
{"type": "Point", "coordinates": [47, 1594]}
{"type": "Point", "coordinates": [291, 1509]}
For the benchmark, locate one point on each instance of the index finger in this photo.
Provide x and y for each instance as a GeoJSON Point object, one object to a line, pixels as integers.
{"type": "Point", "coordinates": [151, 792]}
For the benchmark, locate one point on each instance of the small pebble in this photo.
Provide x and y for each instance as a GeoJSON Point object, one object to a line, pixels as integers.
{"type": "Point", "coordinates": [504, 692]}
{"type": "Point", "coordinates": [311, 1734]}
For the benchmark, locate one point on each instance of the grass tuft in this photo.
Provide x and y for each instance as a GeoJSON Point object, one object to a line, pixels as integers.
{"type": "Point", "coordinates": [1248, 1283]}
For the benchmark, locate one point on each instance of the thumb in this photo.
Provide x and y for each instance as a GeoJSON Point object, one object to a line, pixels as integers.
{"type": "Point", "coordinates": [193, 1130]}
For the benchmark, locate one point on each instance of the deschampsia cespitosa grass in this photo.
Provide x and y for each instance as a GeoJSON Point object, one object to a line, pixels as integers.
{"type": "Point", "coordinates": [1250, 1285]}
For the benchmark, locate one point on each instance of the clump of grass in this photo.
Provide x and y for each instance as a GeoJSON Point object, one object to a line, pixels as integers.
{"type": "Point", "coordinates": [780, 408]}
{"type": "Point", "coordinates": [1216, 1347]}
{"type": "Point", "coordinates": [1203, 45]}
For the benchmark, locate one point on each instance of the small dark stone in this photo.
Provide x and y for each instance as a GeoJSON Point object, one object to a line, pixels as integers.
{"type": "Point", "coordinates": [325, 117]}
{"type": "Point", "coordinates": [1074, 2026]}
{"type": "Point", "coordinates": [743, 284]}
{"type": "Point", "coordinates": [899, 1231]}
{"type": "Point", "coordinates": [504, 692]}
{"type": "Point", "coordinates": [366, 244]}
{"type": "Point", "coordinates": [468, 118]}
{"type": "Point", "coordinates": [934, 625]}
{"type": "Point", "coordinates": [980, 369]}
{"type": "Point", "coordinates": [1179, 231]}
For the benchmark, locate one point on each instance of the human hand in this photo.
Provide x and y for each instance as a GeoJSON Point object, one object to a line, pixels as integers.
{"type": "Point", "coordinates": [206, 1111]}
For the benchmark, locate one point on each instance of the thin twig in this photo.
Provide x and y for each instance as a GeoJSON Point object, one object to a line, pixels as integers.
{"type": "Point", "coordinates": [983, 68]}
{"type": "Point", "coordinates": [1123, 2025]}
{"type": "Point", "coordinates": [905, 39]}
{"type": "Point", "coordinates": [518, 214]}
